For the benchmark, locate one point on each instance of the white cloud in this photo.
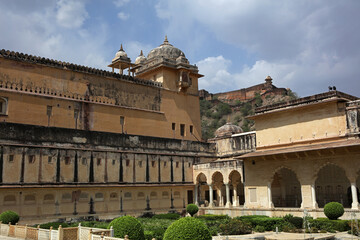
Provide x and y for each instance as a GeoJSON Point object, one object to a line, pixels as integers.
{"type": "Point", "coordinates": [123, 16]}
{"type": "Point", "coordinates": [120, 3]}
{"type": "Point", "coordinates": [71, 13]}
{"type": "Point", "coordinates": [307, 44]}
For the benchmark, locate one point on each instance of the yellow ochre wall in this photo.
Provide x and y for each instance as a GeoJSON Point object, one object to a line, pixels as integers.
{"type": "Point", "coordinates": [148, 110]}
{"type": "Point", "coordinates": [301, 124]}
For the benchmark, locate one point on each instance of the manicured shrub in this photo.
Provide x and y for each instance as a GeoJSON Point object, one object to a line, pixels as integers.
{"type": "Point", "coordinates": [267, 222]}
{"type": "Point", "coordinates": [192, 209]}
{"type": "Point", "coordinates": [187, 228]}
{"type": "Point", "coordinates": [173, 216]}
{"type": "Point", "coordinates": [330, 225]}
{"type": "Point", "coordinates": [127, 225]}
{"type": "Point", "coordinates": [9, 217]}
{"type": "Point", "coordinates": [259, 229]}
{"type": "Point", "coordinates": [296, 221]}
{"type": "Point", "coordinates": [210, 217]}
{"type": "Point", "coordinates": [333, 210]}
{"type": "Point", "coordinates": [235, 227]}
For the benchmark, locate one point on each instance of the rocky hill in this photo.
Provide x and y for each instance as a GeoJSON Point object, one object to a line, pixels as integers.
{"type": "Point", "coordinates": [215, 111]}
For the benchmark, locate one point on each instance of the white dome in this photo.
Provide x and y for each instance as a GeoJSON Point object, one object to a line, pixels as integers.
{"type": "Point", "coordinates": [120, 54]}
{"type": "Point", "coordinates": [140, 58]}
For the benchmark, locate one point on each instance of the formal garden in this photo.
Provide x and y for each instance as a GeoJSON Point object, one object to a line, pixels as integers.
{"type": "Point", "coordinates": [171, 225]}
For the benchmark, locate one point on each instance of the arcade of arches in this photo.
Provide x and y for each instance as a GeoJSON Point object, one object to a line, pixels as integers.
{"type": "Point", "coordinates": [220, 189]}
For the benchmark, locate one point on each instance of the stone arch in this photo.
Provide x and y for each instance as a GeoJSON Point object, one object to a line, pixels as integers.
{"type": "Point", "coordinates": [282, 167]}
{"type": "Point", "coordinates": [153, 195]}
{"type": "Point", "coordinates": [3, 105]}
{"type": "Point", "coordinates": [140, 196]}
{"type": "Point", "coordinates": [217, 177]}
{"type": "Point", "coordinates": [201, 178]}
{"type": "Point", "coordinates": [236, 188]}
{"type": "Point", "coordinates": [219, 190]}
{"type": "Point", "coordinates": [332, 185]}
{"type": "Point", "coordinates": [49, 198]}
{"type": "Point", "coordinates": [9, 200]}
{"type": "Point", "coordinates": [285, 188]}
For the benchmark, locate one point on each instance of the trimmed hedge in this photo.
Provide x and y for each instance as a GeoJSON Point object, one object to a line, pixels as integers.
{"type": "Point", "coordinates": [171, 216]}
{"type": "Point", "coordinates": [187, 228]}
{"type": "Point", "coordinates": [330, 225]}
{"type": "Point", "coordinates": [235, 227]}
{"type": "Point", "coordinates": [212, 217]}
{"type": "Point", "coordinates": [268, 223]}
{"type": "Point", "coordinates": [296, 221]}
{"type": "Point", "coordinates": [9, 217]}
{"type": "Point", "coordinates": [127, 225]}
{"type": "Point", "coordinates": [192, 209]}
{"type": "Point", "coordinates": [333, 210]}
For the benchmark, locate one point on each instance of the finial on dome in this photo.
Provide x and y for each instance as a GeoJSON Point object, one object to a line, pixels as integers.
{"type": "Point", "coordinates": [141, 53]}
{"type": "Point", "coordinates": [166, 40]}
{"type": "Point", "coordinates": [121, 48]}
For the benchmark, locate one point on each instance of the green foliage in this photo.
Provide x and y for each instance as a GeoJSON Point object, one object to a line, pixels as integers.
{"type": "Point", "coordinates": [173, 216]}
{"type": "Point", "coordinates": [187, 228]}
{"type": "Point", "coordinates": [330, 225]}
{"type": "Point", "coordinates": [354, 227]}
{"type": "Point", "coordinates": [237, 118]}
{"type": "Point", "coordinates": [268, 223]}
{"type": "Point", "coordinates": [333, 210]}
{"type": "Point", "coordinates": [55, 225]}
{"type": "Point", "coordinates": [246, 109]}
{"type": "Point", "coordinates": [292, 95]}
{"type": "Point", "coordinates": [258, 100]}
{"type": "Point", "coordinates": [259, 229]}
{"type": "Point", "coordinates": [223, 108]}
{"type": "Point", "coordinates": [192, 209]}
{"type": "Point", "coordinates": [210, 217]}
{"type": "Point", "coordinates": [155, 227]}
{"type": "Point", "coordinates": [128, 225]}
{"type": "Point", "coordinates": [235, 227]}
{"type": "Point", "coordinates": [296, 221]}
{"type": "Point", "coordinates": [9, 217]}
{"type": "Point", "coordinates": [246, 125]}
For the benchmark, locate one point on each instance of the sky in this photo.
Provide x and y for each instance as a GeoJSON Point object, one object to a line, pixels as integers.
{"type": "Point", "coordinates": [303, 45]}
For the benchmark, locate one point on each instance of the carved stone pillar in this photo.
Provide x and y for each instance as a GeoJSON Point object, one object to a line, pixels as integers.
{"type": "Point", "coordinates": [211, 196]}
{"type": "Point", "coordinates": [270, 203]}
{"type": "Point", "coordinates": [228, 205]}
{"type": "Point", "coordinates": [196, 194]}
{"type": "Point", "coordinates": [313, 197]}
{"type": "Point", "coordinates": [235, 196]}
{"type": "Point", "coordinates": [355, 201]}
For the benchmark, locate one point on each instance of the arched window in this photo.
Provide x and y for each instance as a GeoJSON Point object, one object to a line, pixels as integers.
{"type": "Point", "coordinates": [128, 196]}
{"type": "Point", "coordinates": [140, 195]}
{"type": "Point", "coordinates": [9, 200]}
{"type": "Point", "coordinates": [99, 197]}
{"type": "Point", "coordinates": [176, 194]}
{"type": "Point", "coordinates": [3, 106]}
{"type": "Point", "coordinates": [29, 199]}
{"type": "Point", "coordinates": [49, 198]}
{"type": "Point", "coordinates": [66, 197]}
{"type": "Point", "coordinates": [153, 195]}
{"type": "Point", "coordinates": [84, 197]}
{"type": "Point", "coordinates": [165, 195]}
{"type": "Point", "coordinates": [113, 196]}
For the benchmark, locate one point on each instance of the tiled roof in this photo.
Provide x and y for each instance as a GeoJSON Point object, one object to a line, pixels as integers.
{"type": "Point", "coordinates": [73, 67]}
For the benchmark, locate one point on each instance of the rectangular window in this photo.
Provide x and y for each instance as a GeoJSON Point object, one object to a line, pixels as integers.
{"type": "Point", "coordinates": [49, 159]}
{"type": "Point", "coordinates": [189, 164]}
{"type": "Point", "coordinates": [31, 158]}
{"type": "Point", "coordinates": [67, 160]}
{"type": "Point", "coordinates": [11, 158]}
{"type": "Point", "coordinates": [84, 161]}
{"type": "Point", "coordinates": [113, 162]}
{"type": "Point", "coordinates": [140, 163]}
{"type": "Point", "coordinates": [164, 164]}
{"type": "Point", "coordinates": [127, 162]}
{"type": "Point", "coordinates": [173, 125]}
{"type": "Point", "coordinates": [3, 105]}
{"type": "Point", "coordinates": [191, 129]}
{"type": "Point", "coordinates": [98, 161]}
{"type": "Point", "coordinates": [177, 164]}
{"type": "Point", "coordinates": [182, 129]}
{"type": "Point", "coordinates": [153, 163]}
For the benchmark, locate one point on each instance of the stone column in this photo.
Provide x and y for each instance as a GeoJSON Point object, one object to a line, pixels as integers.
{"type": "Point", "coordinates": [220, 197]}
{"type": "Point", "coordinates": [227, 195]}
{"type": "Point", "coordinates": [196, 194]}
{"type": "Point", "coordinates": [235, 201]}
{"type": "Point", "coordinates": [211, 200]}
{"type": "Point", "coordinates": [355, 202]}
{"type": "Point", "coordinates": [270, 203]}
{"type": "Point", "coordinates": [313, 197]}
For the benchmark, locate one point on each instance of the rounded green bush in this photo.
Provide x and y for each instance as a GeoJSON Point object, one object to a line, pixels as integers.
{"type": "Point", "coordinates": [187, 228]}
{"type": "Point", "coordinates": [127, 225]}
{"type": "Point", "coordinates": [192, 209]}
{"type": "Point", "coordinates": [333, 210]}
{"type": "Point", "coordinates": [9, 217]}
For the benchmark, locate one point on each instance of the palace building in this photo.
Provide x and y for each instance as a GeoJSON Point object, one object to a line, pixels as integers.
{"type": "Point", "coordinates": [82, 142]}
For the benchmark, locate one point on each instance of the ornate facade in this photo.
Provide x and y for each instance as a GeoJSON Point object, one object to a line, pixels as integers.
{"type": "Point", "coordinates": [78, 142]}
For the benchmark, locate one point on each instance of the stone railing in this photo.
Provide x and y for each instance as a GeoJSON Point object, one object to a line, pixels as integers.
{"type": "Point", "coordinates": [219, 165]}
{"type": "Point", "coordinates": [236, 144]}
{"type": "Point", "coordinates": [72, 233]}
